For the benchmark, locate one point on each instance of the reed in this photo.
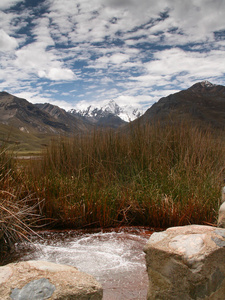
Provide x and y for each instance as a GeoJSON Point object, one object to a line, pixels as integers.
{"type": "Point", "coordinates": [152, 175]}
{"type": "Point", "coordinates": [17, 204]}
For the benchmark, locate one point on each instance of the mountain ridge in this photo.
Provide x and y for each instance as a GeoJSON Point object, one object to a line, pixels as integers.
{"type": "Point", "coordinates": [202, 102]}
{"type": "Point", "coordinates": [22, 114]}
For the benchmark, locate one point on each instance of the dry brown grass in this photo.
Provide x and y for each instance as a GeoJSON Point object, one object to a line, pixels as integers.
{"type": "Point", "coordinates": [157, 176]}
{"type": "Point", "coordinates": [17, 204]}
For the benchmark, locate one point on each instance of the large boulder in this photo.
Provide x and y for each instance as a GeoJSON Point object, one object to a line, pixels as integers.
{"type": "Point", "coordinates": [186, 263]}
{"type": "Point", "coordinates": [41, 280]}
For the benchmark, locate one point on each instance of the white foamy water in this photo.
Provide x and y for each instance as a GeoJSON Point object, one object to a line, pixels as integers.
{"type": "Point", "coordinates": [115, 259]}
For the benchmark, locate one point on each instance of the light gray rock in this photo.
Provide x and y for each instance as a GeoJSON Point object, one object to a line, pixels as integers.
{"type": "Point", "coordinates": [186, 262]}
{"type": "Point", "coordinates": [36, 289]}
{"type": "Point", "coordinates": [223, 194]}
{"type": "Point", "coordinates": [221, 217]}
{"type": "Point", "coordinates": [39, 280]}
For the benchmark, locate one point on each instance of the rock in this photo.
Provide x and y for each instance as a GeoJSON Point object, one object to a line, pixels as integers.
{"type": "Point", "coordinates": [223, 194]}
{"type": "Point", "coordinates": [186, 262]}
{"type": "Point", "coordinates": [221, 218]}
{"type": "Point", "coordinates": [41, 280]}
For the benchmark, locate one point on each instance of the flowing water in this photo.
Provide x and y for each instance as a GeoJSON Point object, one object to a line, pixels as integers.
{"type": "Point", "coordinates": [115, 258]}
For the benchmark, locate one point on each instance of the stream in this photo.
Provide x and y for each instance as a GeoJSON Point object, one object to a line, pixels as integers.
{"type": "Point", "coordinates": [114, 257]}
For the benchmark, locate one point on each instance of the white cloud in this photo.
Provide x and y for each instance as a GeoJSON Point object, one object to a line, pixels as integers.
{"type": "Point", "coordinates": [42, 32]}
{"type": "Point", "coordinates": [4, 4]}
{"type": "Point", "coordinates": [145, 81]}
{"type": "Point", "coordinates": [7, 43]}
{"type": "Point", "coordinates": [204, 15]}
{"type": "Point", "coordinates": [174, 61]}
{"type": "Point", "coordinates": [114, 59]}
{"type": "Point", "coordinates": [119, 58]}
{"type": "Point", "coordinates": [124, 100]}
{"type": "Point", "coordinates": [35, 59]}
{"type": "Point", "coordinates": [176, 67]}
{"type": "Point", "coordinates": [60, 74]}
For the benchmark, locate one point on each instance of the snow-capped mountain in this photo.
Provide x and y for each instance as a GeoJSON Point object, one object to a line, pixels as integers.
{"type": "Point", "coordinates": [126, 113]}
{"type": "Point", "coordinates": [206, 84]}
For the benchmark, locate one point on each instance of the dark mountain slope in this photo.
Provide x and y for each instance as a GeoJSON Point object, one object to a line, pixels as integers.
{"type": "Point", "coordinates": [202, 103]}
{"type": "Point", "coordinates": [20, 113]}
{"type": "Point", "coordinates": [72, 121]}
{"type": "Point", "coordinates": [30, 127]}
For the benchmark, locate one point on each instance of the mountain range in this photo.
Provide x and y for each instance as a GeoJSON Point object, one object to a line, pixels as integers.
{"type": "Point", "coordinates": [34, 124]}
{"type": "Point", "coordinates": [50, 119]}
{"type": "Point", "coordinates": [30, 118]}
{"type": "Point", "coordinates": [93, 114]}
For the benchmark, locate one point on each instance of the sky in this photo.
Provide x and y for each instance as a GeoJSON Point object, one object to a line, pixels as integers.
{"type": "Point", "coordinates": [76, 53]}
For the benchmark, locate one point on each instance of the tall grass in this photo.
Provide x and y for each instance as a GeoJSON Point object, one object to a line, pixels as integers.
{"type": "Point", "coordinates": [152, 175]}
{"type": "Point", "coordinates": [17, 205]}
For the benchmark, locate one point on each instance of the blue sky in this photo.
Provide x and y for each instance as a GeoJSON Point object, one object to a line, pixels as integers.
{"type": "Point", "coordinates": [73, 53]}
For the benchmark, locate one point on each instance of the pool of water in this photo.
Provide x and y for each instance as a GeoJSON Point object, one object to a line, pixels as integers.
{"type": "Point", "coordinates": [115, 258]}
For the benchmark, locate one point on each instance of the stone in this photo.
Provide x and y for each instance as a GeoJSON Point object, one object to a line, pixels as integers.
{"type": "Point", "coordinates": [35, 289]}
{"type": "Point", "coordinates": [186, 262]}
{"type": "Point", "coordinates": [221, 218]}
{"type": "Point", "coordinates": [223, 194]}
{"type": "Point", "coordinates": [39, 280]}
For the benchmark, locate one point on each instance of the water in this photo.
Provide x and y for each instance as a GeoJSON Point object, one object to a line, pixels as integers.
{"type": "Point", "coordinates": [115, 259]}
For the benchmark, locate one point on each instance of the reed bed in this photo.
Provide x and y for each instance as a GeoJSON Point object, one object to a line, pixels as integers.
{"type": "Point", "coordinates": [17, 204]}
{"type": "Point", "coordinates": [151, 175]}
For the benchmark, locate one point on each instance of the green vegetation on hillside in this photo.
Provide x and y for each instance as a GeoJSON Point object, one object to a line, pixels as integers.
{"type": "Point", "coordinates": [22, 141]}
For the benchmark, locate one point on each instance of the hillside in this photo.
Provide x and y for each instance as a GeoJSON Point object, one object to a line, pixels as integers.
{"type": "Point", "coordinates": [25, 116]}
{"type": "Point", "coordinates": [28, 126]}
{"type": "Point", "coordinates": [202, 103]}
{"type": "Point", "coordinates": [73, 123]}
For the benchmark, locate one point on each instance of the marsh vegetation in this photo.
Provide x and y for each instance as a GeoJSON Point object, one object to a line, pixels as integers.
{"type": "Point", "coordinates": [156, 176]}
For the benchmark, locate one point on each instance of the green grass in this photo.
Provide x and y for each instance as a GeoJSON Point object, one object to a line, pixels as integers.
{"type": "Point", "coordinates": [156, 176]}
{"type": "Point", "coordinates": [23, 141]}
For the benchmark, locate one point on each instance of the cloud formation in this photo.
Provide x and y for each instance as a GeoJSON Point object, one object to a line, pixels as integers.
{"type": "Point", "coordinates": [92, 51]}
{"type": "Point", "coordinates": [5, 4]}
{"type": "Point", "coordinates": [7, 43]}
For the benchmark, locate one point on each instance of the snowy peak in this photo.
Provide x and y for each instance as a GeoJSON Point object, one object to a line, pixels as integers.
{"type": "Point", "coordinates": [125, 113]}
{"type": "Point", "coordinates": [112, 107]}
{"type": "Point", "coordinates": [206, 83]}
{"type": "Point", "coordinates": [203, 85]}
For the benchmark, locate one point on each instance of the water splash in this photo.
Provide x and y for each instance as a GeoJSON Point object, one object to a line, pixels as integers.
{"type": "Point", "coordinates": [115, 259]}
